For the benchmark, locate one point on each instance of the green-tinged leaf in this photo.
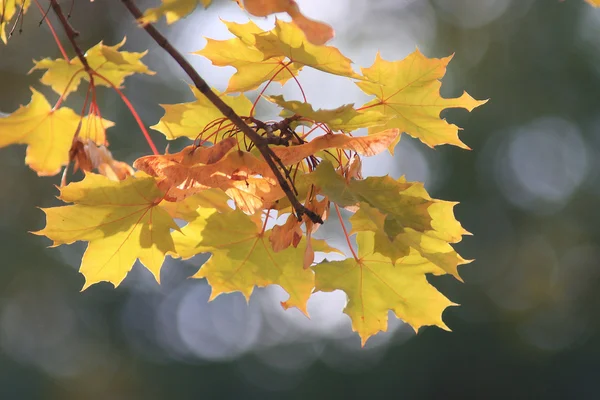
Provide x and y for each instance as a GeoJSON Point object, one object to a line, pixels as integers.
{"type": "Point", "coordinates": [382, 193]}
{"type": "Point", "coordinates": [374, 285]}
{"type": "Point", "coordinates": [121, 221]}
{"type": "Point", "coordinates": [399, 242]}
{"type": "Point", "coordinates": [344, 118]}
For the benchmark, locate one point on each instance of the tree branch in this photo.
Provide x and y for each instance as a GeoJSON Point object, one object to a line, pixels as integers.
{"type": "Point", "coordinates": [71, 35]}
{"type": "Point", "coordinates": [227, 111]}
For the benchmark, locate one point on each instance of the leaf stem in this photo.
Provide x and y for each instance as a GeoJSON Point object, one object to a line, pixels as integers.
{"type": "Point", "coordinates": [265, 88]}
{"type": "Point", "coordinates": [71, 35]}
{"type": "Point", "coordinates": [337, 210]}
{"type": "Point", "coordinates": [56, 39]}
{"type": "Point", "coordinates": [132, 111]}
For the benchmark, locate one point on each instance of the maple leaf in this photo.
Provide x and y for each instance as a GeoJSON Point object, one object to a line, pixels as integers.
{"type": "Point", "coordinates": [407, 91]}
{"type": "Point", "coordinates": [93, 128]}
{"type": "Point", "coordinates": [286, 39]}
{"type": "Point", "coordinates": [172, 10]}
{"type": "Point", "coordinates": [88, 156]}
{"type": "Point", "coordinates": [65, 76]}
{"type": "Point", "coordinates": [191, 207]}
{"type": "Point", "coordinates": [374, 285]}
{"type": "Point", "coordinates": [316, 32]}
{"type": "Point", "coordinates": [595, 3]}
{"type": "Point", "coordinates": [385, 194]}
{"type": "Point", "coordinates": [251, 68]}
{"type": "Point", "coordinates": [192, 118]}
{"type": "Point", "coordinates": [8, 9]}
{"type": "Point", "coordinates": [264, 53]}
{"type": "Point", "coordinates": [48, 133]}
{"type": "Point", "coordinates": [344, 118]}
{"type": "Point", "coordinates": [363, 145]}
{"type": "Point", "coordinates": [121, 221]}
{"type": "Point", "coordinates": [248, 180]}
{"type": "Point", "coordinates": [401, 241]}
{"type": "Point", "coordinates": [242, 256]}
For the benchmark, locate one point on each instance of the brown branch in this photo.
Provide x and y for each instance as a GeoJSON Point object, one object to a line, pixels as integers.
{"type": "Point", "coordinates": [71, 35]}
{"type": "Point", "coordinates": [227, 111]}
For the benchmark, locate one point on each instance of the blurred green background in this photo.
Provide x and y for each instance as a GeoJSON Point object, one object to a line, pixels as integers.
{"type": "Point", "coordinates": [529, 191]}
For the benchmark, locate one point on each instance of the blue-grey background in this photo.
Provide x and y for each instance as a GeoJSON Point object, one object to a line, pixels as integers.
{"type": "Point", "coordinates": [529, 191]}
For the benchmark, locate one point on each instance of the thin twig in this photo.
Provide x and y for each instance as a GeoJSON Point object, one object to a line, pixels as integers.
{"type": "Point", "coordinates": [71, 35]}
{"type": "Point", "coordinates": [270, 157]}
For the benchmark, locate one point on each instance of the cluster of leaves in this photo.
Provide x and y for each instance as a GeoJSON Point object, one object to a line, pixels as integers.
{"type": "Point", "coordinates": [219, 196]}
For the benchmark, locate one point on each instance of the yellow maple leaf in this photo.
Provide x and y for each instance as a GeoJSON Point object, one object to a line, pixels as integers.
{"type": "Point", "coordinates": [251, 68]}
{"type": "Point", "coordinates": [374, 286]}
{"type": "Point", "coordinates": [8, 10]}
{"type": "Point", "coordinates": [65, 76]}
{"type": "Point", "coordinates": [48, 133]}
{"type": "Point", "coordinates": [265, 53]}
{"type": "Point", "coordinates": [190, 119]}
{"type": "Point", "coordinates": [121, 221]}
{"type": "Point", "coordinates": [407, 91]}
{"type": "Point", "coordinates": [93, 128]}
{"type": "Point", "coordinates": [191, 207]}
{"type": "Point", "coordinates": [286, 39]}
{"type": "Point", "coordinates": [172, 10]}
{"type": "Point", "coordinates": [243, 258]}
{"type": "Point", "coordinates": [595, 3]}
{"type": "Point", "coordinates": [344, 118]}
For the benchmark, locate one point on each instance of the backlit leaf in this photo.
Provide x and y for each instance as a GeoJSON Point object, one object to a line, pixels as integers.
{"type": "Point", "coordinates": [364, 145]}
{"type": "Point", "coordinates": [402, 241]}
{"type": "Point", "coordinates": [48, 133]}
{"type": "Point", "coordinates": [408, 92]}
{"type": "Point", "coordinates": [242, 257]}
{"type": "Point", "coordinates": [374, 285]}
{"type": "Point", "coordinates": [385, 194]}
{"type": "Point", "coordinates": [252, 68]}
{"type": "Point", "coordinates": [172, 10]}
{"type": "Point", "coordinates": [285, 45]}
{"type": "Point", "coordinates": [121, 221]}
{"type": "Point", "coordinates": [247, 179]}
{"type": "Point", "coordinates": [345, 118]}
{"type": "Point", "coordinates": [286, 39]}
{"type": "Point", "coordinates": [191, 119]}
{"type": "Point", "coordinates": [191, 207]}
{"type": "Point", "coordinates": [65, 76]}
